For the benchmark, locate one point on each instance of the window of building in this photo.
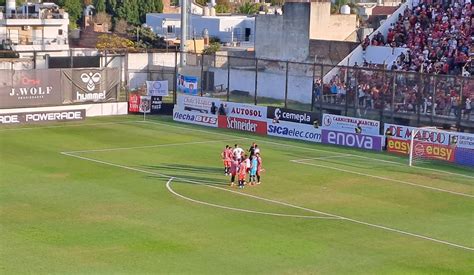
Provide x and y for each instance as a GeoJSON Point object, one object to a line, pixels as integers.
{"type": "Point", "coordinates": [170, 29]}
{"type": "Point", "coordinates": [60, 32]}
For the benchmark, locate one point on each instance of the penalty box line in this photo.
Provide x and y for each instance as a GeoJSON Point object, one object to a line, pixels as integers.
{"type": "Point", "coordinates": [278, 202]}
{"type": "Point", "coordinates": [189, 181]}
{"type": "Point", "coordinates": [302, 161]}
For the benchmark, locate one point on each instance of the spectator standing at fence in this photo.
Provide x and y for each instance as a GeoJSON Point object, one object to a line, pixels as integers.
{"type": "Point", "coordinates": [467, 108]}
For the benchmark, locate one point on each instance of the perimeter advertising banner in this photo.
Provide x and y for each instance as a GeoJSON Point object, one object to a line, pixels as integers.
{"type": "Point", "coordinates": [243, 124]}
{"type": "Point", "coordinates": [90, 85]}
{"type": "Point", "coordinates": [245, 111]}
{"type": "Point", "coordinates": [402, 132]}
{"type": "Point", "coordinates": [434, 151]}
{"type": "Point", "coordinates": [42, 117]}
{"type": "Point", "coordinates": [205, 105]}
{"type": "Point", "coordinates": [30, 88]}
{"type": "Point", "coordinates": [282, 114]}
{"type": "Point", "coordinates": [196, 110]}
{"type": "Point", "coordinates": [195, 118]}
{"type": "Point", "coordinates": [369, 142]}
{"type": "Point", "coordinates": [349, 124]}
{"type": "Point", "coordinates": [293, 130]}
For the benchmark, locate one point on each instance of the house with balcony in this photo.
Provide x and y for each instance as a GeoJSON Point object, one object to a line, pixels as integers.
{"type": "Point", "coordinates": [34, 27]}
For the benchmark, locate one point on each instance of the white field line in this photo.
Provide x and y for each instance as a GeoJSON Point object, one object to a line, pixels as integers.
{"type": "Point", "coordinates": [70, 125]}
{"type": "Point", "coordinates": [181, 179]}
{"type": "Point", "coordinates": [383, 178]}
{"type": "Point", "coordinates": [282, 203]}
{"type": "Point", "coordinates": [168, 186]}
{"type": "Point", "coordinates": [153, 146]}
{"type": "Point", "coordinates": [312, 149]}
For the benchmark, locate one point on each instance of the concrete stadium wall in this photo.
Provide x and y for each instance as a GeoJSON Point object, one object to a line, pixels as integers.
{"type": "Point", "coordinates": [99, 109]}
{"type": "Point", "coordinates": [270, 84]}
{"type": "Point", "coordinates": [284, 37]}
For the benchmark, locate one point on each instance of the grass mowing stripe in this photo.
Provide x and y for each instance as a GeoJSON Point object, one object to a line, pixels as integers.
{"type": "Point", "coordinates": [168, 186]}
{"type": "Point", "coordinates": [153, 146]}
{"type": "Point", "coordinates": [383, 178]}
{"type": "Point", "coordinates": [282, 203]}
{"type": "Point", "coordinates": [312, 149]}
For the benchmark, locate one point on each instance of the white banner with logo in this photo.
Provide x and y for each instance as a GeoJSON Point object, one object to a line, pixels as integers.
{"type": "Point", "coordinates": [205, 105]}
{"type": "Point", "coordinates": [157, 88]}
{"type": "Point", "coordinates": [245, 111]}
{"type": "Point", "coordinates": [349, 124]}
{"type": "Point", "coordinates": [404, 133]}
{"type": "Point", "coordinates": [293, 130]}
{"type": "Point", "coordinates": [194, 117]}
{"type": "Point", "coordinates": [466, 141]}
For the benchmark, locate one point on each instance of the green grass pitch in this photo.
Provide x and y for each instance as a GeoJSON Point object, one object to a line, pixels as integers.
{"type": "Point", "coordinates": [119, 195]}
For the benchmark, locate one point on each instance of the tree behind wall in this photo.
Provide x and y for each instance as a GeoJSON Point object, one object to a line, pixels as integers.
{"type": "Point", "coordinates": [74, 8]}
{"type": "Point", "coordinates": [129, 11]}
{"type": "Point", "coordinates": [99, 5]}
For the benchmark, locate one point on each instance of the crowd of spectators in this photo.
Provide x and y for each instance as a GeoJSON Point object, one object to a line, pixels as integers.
{"type": "Point", "coordinates": [438, 38]}
{"type": "Point", "coordinates": [368, 87]}
{"type": "Point", "coordinates": [437, 33]}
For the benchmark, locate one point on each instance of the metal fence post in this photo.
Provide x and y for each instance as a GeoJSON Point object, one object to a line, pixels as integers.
{"type": "Point", "coordinates": [228, 77]}
{"type": "Point", "coordinates": [433, 100]}
{"type": "Point", "coordinates": [286, 85]}
{"type": "Point", "coordinates": [202, 73]}
{"type": "Point", "coordinates": [175, 77]}
{"type": "Point", "coordinates": [321, 94]}
{"type": "Point", "coordinates": [256, 81]}
{"type": "Point", "coordinates": [458, 126]}
{"type": "Point", "coordinates": [313, 96]}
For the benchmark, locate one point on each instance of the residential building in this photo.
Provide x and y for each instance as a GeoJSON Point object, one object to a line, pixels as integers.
{"type": "Point", "coordinates": [34, 27]}
{"type": "Point", "coordinates": [238, 29]}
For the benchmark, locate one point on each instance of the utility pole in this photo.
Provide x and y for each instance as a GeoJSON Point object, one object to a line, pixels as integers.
{"type": "Point", "coordinates": [184, 32]}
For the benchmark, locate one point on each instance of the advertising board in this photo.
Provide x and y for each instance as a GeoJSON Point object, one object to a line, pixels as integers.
{"type": "Point", "coordinates": [205, 105]}
{"type": "Point", "coordinates": [402, 132]}
{"type": "Point", "coordinates": [30, 88]}
{"type": "Point", "coordinates": [42, 117]}
{"type": "Point", "coordinates": [194, 118]}
{"type": "Point", "coordinates": [246, 111]}
{"type": "Point", "coordinates": [349, 124]}
{"type": "Point", "coordinates": [277, 114]}
{"type": "Point", "coordinates": [293, 131]}
{"type": "Point", "coordinates": [369, 142]}
{"type": "Point", "coordinates": [242, 124]}
{"type": "Point", "coordinates": [434, 151]}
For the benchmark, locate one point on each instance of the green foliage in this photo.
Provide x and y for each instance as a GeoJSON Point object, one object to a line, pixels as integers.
{"type": "Point", "coordinates": [114, 43]}
{"type": "Point", "coordinates": [148, 39]}
{"type": "Point", "coordinates": [249, 8]}
{"type": "Point", "coordinates": [99, 5]}
{"type": "Point", "coordinates": [74, 8]}
{"type": "Point", "coordinates": [223, 6]}
{"type": "Point", "coordinates": [111, 7]}
{"type": "Point", "coordinates": [202, 2]}
{"type": "Point", "coordinates": [149, 6]}
{"type": "Point", "coordinates": [212, 48]}
{"type": "Point", "coordinates": [129, 12]}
